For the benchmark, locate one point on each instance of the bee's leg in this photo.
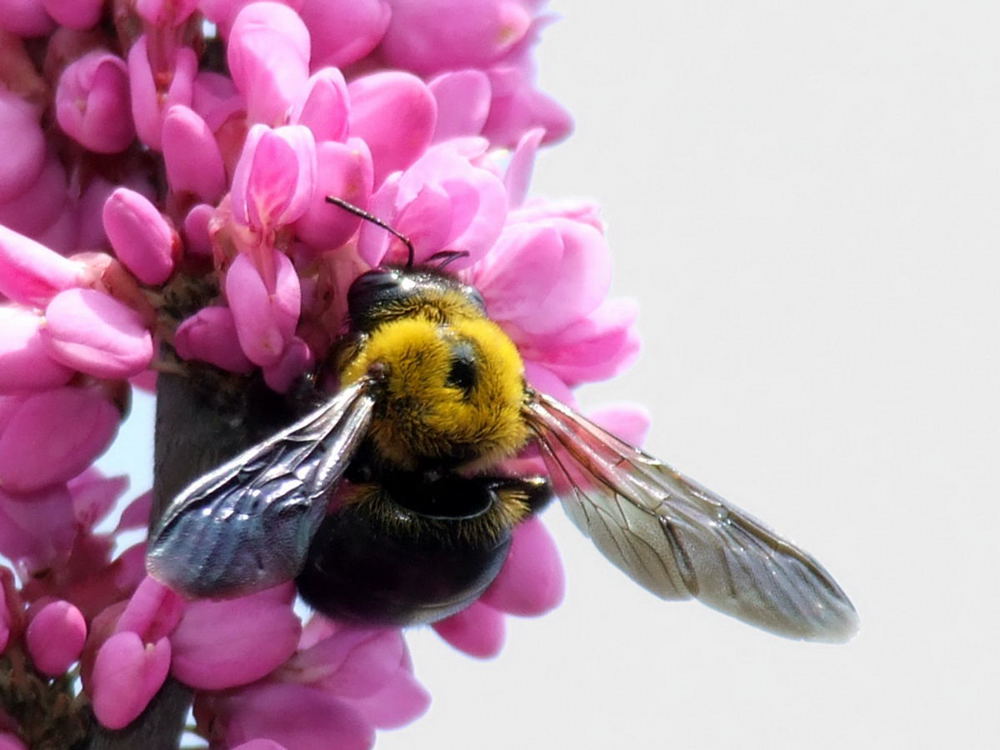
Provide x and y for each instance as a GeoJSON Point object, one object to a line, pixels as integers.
{"type": "Point", "coordinates": [535, 492]}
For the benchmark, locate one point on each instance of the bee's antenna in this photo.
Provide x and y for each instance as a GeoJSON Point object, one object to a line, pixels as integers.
{"type": "Point", "coordinates": [351, 208]}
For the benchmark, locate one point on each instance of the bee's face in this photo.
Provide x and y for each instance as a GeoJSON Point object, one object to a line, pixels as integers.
{"type": "Point", "coordinates": [451, 392]}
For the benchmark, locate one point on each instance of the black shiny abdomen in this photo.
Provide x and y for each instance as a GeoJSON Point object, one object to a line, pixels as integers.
{"type": "Point", "coordinates": [380, 563]}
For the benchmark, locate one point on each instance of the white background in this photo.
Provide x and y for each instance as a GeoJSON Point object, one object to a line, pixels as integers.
{"type": "Point", "coordinates": [804, 198]}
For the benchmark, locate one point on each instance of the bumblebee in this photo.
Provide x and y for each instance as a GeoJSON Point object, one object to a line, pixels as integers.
{"type": "Point", "coordinates": [388, 506]}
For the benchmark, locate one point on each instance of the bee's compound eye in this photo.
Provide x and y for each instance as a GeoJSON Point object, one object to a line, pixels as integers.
{"type": "Point", "coordinates": [462, 373]}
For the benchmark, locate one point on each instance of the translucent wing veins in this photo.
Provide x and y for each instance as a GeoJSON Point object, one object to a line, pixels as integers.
{"type": "Point", "coordinates": [680, 540]}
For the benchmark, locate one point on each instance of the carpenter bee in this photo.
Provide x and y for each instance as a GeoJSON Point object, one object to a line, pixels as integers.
{"type": "Point", "coordinates": [388, 506]}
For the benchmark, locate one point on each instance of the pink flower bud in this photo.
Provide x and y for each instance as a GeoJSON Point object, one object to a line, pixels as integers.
{"type": "Point", "coordinates": [478, 630]}
{"type": "Point", "coordinates": [31, 273]}
{"type": "Point", "coordinates": [344, 171]}
{"type": "Point", "coordinates": [55, 637]}
{"type": "Point", "coordinates": [268, 56]}
{"type": "Point", "coordinates": [531, 581]}
{"type": "Point", "coordinates": [192, 157]}
{"type": "Point", "coordinates": [210, 336]}
{"type": "Point", "coordinates": [344, 31]}
{"type": "Point", "coordinates": [265, 318]}
{"type": "Point", "coordinates": [25, 364]}
{"type": "Point", "coordinates": [463, 103]}
{"type": "Point", "coordinates": [394, 113]}
{"type": "Point", "coordinates": [153, 611]}
{"type": "Point", "coordinates": [221, 644]}
{"type": "Point", "coordinates": [126, 675]}
{"type": "Point", "coordinates": [141, 237]}
{"type": "Point", "coordinates": [24, 147]}
{"type": "Point", "coordinates": [197, 230]}
{"type": "Point", "coordinates": [96, 334]}
{"type": "Point", "coordinates": [25, 18]}
{"type": "Point", "coordinates": [53, 436]}
{"type": "Point", "coordinates": [91, 98]}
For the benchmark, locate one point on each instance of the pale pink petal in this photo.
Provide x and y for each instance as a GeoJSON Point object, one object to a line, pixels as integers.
{"type": "Point", "coordinates": [136, 513]}
{"type": "Point", "coordinates": [394, 112]}
{"type": "Point", "coordinates": [478, 630]}
{"type": "Point", "coordinates": [141, 236]}
{"type": "Point", "coordinates": [24, 146]}
{"type": "Point", "coordinates": [577, 209]}
{"type": "Point", "coordinates": [126, 675]}
{"type": "Point", "coordinates": [522, 162]}
{"type": "Point", "coordinates": [268, 55]}
{"type": "Point", "coordinates": [62, 235]}
{"type": "Point", "coordinates": [76, 14]}
{"type": "Point", "coordinates": [351, 663]}
{"type": "Point", "coordinates": [428, 37]}
{"type": "Point", "coordinates": [92, 94]}
{"type": "Point", "coordinates": [221, 644]}
{"type": "Point", "coordinates": [215, 99]}
{"type": "Point", "coordinates": [630, 422]}
{"type": "Point", "coordinates": [94, 495]}
{"type": "Point", "coordinates": [463, 103]}
{"type": "Point", "coordinates": [516, 110]}
{"type": "Point", "coordinates": [397, 704]}
{"type": "Point", "coordinates": [191, 155]}
{"type": "Point", "coordinates": [25, 364]}
{"type": "Point", "coordinates": [275, 177]}
{"type": "Point", "coordinates": [210, 336]}
{"type": "Point", "coordinates": [531, 581]}
{"type": "Point", "coordinates": [343, 31]}
{"type": "Point", "coordinates": [38, 527]}
{"type": "Point", "coordinates": [154, 92]}
{"type": "Point", "coordinates": [344, 170]}
{"type": "Point", "coordinates": [96, 334]}
{"type": "Point", "coordinates": [153, 611]}
{"type": "Point", "coordinates": [543, 379]}
{"type": "Point", "coordinates": [325, 107]}
{"type": "Point", "coordinates": [520, 272]}
{"type": "Point", "coordinates": [53, 436]}
{"type": "Point", "coordinates": [265, 320]}
{"type": "Point", "coordinates": [296, 716]}
{"type": "Point", "coordinates": [55, 637]}
{"type": "Point", "coordinates": [295, 360]}
{"type": "Point", "coordinates": [31, 273]}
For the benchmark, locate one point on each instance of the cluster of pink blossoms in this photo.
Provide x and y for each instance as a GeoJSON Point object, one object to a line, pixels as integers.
{"type": "Point", "coordinates": [153, 141]}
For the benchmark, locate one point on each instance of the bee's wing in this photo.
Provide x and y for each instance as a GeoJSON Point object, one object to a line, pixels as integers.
{"type": "Point", "coordinates": [680, 540]}
{"type": "Point", "coordinates": [246, 525]}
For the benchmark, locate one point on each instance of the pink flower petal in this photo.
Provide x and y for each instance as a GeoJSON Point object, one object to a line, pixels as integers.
{"type": "Point", "coordinates": [191, 155]}
{"type": "Point", "coordinates": [351, 663]}
{"type": "Point", "coordinates": [296, 716]}
{"type": "Point", "coordinates": [55, 637]}
{"type": "Point", "coordinates": [25, 364]}
{"type": "Point", "coordinates": [126, 675]}
{"type": "Point", "coordinates": [324, 108]}
{"type": "Point", "coordinates": [542, 379]}
{"type": "Point", "coordinates": [165, 13]}
{"type": "Point", "coordinates": [94, 495]}
{"type": "Point", "coordinates": [295, 360]}
{"type": "Point", "coordinates": [9, 741]}
{"type": "Point", "coordinates": [136, 513]}
{"type": "Point", "coordinates": [154, 92]}
{"type": "Point", "coordinates": [197, 230]}
{"type": "Point", "coordinates": [221, 644]}
{"type": "Point", "coordinates": [268, 55]}
{"type": "Point", "coordinates": [53, 436]}
{"type": "Point", "coordinates": [630, 422]}
{"type": "Point", "coordinates": [343, 31]}
{"type": "Point", "coordinates": [463, 103]}
{"type": "Point", "coordinates": [519, 108]}
{"type": "Point", "coordinates": [210, 336]}
{"type": "Point", "coordinates": [394, 112]}
{"type": "Point", "coordinates": [397, 704]}
{"type": "Point", "coordinates": [91, 95]}
{"type": "Point", "coordinates": [24, 146]}
{"type": "Point", "coordinates": [31, 273]}
{"type": "Point", "coordinates": [531, 581]}
{"type": "Point", "coordinates": [518, 175]}
{"type": "Point", "coordinates": [344, 170]}
{"type": "Point", "coordinates": [40, 204]}
{"type": "Point", "coordinates": [478, 630]}
{"type": "Point", "coordinates": [259, 745]}
{"type": "Point", "coordinates": [141, 236]}
{"type": "Point", "coordinates": [153, 611]}
{"type": "Point", "coordinates": [96, 334]}
{"type": "Point", "coordinates": [265, 320]}
{"type": "Point", "coordinates": [275, 177]}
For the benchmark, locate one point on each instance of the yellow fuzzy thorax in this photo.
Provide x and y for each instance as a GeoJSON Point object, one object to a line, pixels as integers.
{"type": "Point", "coordinates": [421, 417]}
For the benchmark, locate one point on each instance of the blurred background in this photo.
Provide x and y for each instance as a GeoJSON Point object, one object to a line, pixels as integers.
{"type": "Point", "coordinates": [804, 198]}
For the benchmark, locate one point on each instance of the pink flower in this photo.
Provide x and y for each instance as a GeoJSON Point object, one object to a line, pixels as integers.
{"type": "Point", "coordinates": [191, 155]}
{"type": "Point", "coordinates": [55, 637]}
{"type": "Point", "coordinates": [343, 31]}
{"type": "Point", "coordinates": [142, 238]}
{"type": "Point", "coordinates": [92, 93]}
